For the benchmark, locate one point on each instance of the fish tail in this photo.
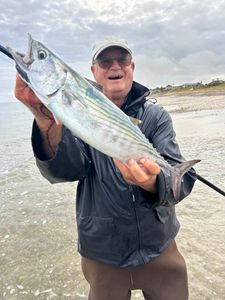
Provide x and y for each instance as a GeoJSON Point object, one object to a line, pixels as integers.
{"type": "Point", "coordinates": [177, 174]}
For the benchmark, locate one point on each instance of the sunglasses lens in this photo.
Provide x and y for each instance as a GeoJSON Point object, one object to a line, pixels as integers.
{"type": "Point", "coordinates": [124, 61]}
{"type": "Point", "coordinates": [106, 63]}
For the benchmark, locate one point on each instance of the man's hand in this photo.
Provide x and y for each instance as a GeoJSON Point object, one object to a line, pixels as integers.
{"type": "Point", "coordinates": [50, 131]}
{"type": "Point", "coordinates": [142, 173]}
{"type": "Point", "coordinates": [24, 93]}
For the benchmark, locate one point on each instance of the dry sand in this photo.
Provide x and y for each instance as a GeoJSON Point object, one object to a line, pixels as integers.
{"type": "Point", "coordinates": [38, 254]}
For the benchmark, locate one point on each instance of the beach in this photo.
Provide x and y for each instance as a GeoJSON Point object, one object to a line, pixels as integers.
{"type": "Point", "coordinates": [38, 239]}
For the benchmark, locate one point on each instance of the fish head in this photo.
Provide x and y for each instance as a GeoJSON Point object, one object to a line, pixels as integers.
{"type": "Point", "coordinates": [40, 68]}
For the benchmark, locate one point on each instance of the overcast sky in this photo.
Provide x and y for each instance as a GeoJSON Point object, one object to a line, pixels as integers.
{"type": "Point", "coordinates": [173, 41]}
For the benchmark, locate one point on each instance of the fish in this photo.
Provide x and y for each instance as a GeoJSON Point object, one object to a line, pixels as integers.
{"type": "Point", "coordinates": [80, 105]}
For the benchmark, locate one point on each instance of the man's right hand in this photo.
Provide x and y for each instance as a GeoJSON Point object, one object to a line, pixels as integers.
{"type": "Point", "coordinates": [25, 94]}
{"type": "Point", "coordinates": [50, 131]}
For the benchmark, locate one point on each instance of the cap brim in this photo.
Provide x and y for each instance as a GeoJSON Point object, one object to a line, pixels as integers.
{"type": "Point", "coordinates": [101, 49]}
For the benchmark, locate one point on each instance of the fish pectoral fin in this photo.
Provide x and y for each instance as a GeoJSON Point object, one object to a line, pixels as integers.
{"type": "Point", "coordinates": [135, 121]}
{"type": "Point", "coordinates": [70, 95]}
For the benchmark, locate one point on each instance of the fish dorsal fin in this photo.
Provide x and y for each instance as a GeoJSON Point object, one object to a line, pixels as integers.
{"type": "Point", "coordinates": [71, 95]}
{"type": "Point", "coordinates": [135, 121]}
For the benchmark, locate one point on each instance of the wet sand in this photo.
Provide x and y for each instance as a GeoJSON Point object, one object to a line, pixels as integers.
{"type": "Point", "coordinates": [38, 255]}
{"type": "Point", "coordinates": [199, 121]}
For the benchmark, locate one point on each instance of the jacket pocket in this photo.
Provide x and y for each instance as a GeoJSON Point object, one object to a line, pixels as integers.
{"type": "Point", "coordinates": [163, 213]}
{"type": "Point", "coordinates": [95, 226]}
{"type": "Point", "coordinates": [98, 238]}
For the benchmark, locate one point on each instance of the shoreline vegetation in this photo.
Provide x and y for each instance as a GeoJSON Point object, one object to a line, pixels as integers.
{"type": "Point", "coordinates": [191, 98]}
{"type": "Point", "coordinates": [215, 86]}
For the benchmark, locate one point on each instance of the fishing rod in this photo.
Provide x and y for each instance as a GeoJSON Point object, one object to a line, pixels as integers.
{"type": "Point", "coordinates": [210, 184]}
{"type": "Point", "coordinates": [5, 51]}
{"type": "Point", "coordinates": [22, 73]}
{"type": "Point", "coordinates": [199, 177]}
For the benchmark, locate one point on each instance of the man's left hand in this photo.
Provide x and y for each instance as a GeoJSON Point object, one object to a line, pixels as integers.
{"type": "Point", "coordinates": [142, 173]}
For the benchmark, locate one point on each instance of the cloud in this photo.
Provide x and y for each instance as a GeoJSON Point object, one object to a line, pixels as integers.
{"type": "Point", "coordinates": [173, 41]}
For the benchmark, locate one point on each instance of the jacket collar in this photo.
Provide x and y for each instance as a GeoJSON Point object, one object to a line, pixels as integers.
{"type": "Point", "coordinates": [135, 99]}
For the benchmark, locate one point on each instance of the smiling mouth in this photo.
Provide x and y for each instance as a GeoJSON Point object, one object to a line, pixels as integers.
{"type": "Point", "coordinates": [116, 77]}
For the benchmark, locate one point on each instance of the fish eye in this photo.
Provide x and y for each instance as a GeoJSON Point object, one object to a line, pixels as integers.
{"type": "Point", "coordinates": [42, 54]}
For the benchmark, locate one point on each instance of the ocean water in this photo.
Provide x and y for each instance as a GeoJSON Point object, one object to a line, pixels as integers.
{"type": "Point", "coordinates": [38, 255]}
{"type": "Point", "coordinates": [15, 132]}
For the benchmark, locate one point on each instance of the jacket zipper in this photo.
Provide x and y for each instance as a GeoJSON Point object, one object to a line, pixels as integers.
{"type": "Point", "coordinates": [137, 223]}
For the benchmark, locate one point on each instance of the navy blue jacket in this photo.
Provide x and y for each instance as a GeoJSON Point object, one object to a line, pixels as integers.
{"type": "Point", "coordinates": [119, 223]}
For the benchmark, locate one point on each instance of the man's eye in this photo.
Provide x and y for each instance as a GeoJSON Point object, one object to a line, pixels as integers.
{"type": "Point", "coordinates": [105, 61]}
{"type": "Point", "coordinates": [122, 59]}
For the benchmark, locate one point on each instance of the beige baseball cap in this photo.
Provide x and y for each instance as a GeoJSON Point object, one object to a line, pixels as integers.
{"type": "Point", "coordinates": [109, 42]}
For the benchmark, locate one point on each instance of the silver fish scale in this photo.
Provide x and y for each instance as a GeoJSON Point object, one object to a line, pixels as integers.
{"type": "Point", "coordinates": [114, 125]}
{"type": "Point", "coordinates": [98, 101]}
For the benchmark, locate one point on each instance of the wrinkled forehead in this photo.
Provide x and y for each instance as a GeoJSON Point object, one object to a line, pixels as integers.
{"type": "Point", "coordinates": [112, 51]}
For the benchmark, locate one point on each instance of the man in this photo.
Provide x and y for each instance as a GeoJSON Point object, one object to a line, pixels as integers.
{"type": "Point", "coordinates": [125, 212]}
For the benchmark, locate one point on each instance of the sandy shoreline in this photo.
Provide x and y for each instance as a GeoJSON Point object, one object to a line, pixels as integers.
{"type": "Point", "coordinates": [199, 121]}
{"type": "Point", "coordinates": [195, 101]}
{"type": "Point", "coordinates": [38, 254]}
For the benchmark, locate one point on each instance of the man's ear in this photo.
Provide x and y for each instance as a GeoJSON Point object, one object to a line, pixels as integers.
{"type": "Point", "coordinates": [93, 69]}
{"type": "Point", "coordinates": [133, 65]}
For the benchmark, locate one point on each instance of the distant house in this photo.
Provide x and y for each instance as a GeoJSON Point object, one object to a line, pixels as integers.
{"type": "Point", "coordinates": [168, 87]}
{"type": "Point", "coordinates": [191, 85]}
{"type": "Point", "coordinates": [215, 82]}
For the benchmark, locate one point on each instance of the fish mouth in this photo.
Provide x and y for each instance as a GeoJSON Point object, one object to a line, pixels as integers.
{"type": "Point", "coordinates": [23, 61]}
{"type": "Point", "coordinates": [21, 67]}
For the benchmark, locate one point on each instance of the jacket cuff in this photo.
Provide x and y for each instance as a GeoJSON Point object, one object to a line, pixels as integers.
{"type": "Point", "coordinates": [164, 191]}
{"type": "Point", "coordinates": [164, 194]}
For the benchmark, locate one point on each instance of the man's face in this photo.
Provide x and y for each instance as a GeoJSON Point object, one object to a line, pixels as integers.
{"type": "Point", "coordinates": [113, 70]}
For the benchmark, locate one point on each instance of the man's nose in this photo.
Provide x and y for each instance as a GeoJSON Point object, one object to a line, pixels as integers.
{"type": "Point", "coordinates": [115, 64]}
